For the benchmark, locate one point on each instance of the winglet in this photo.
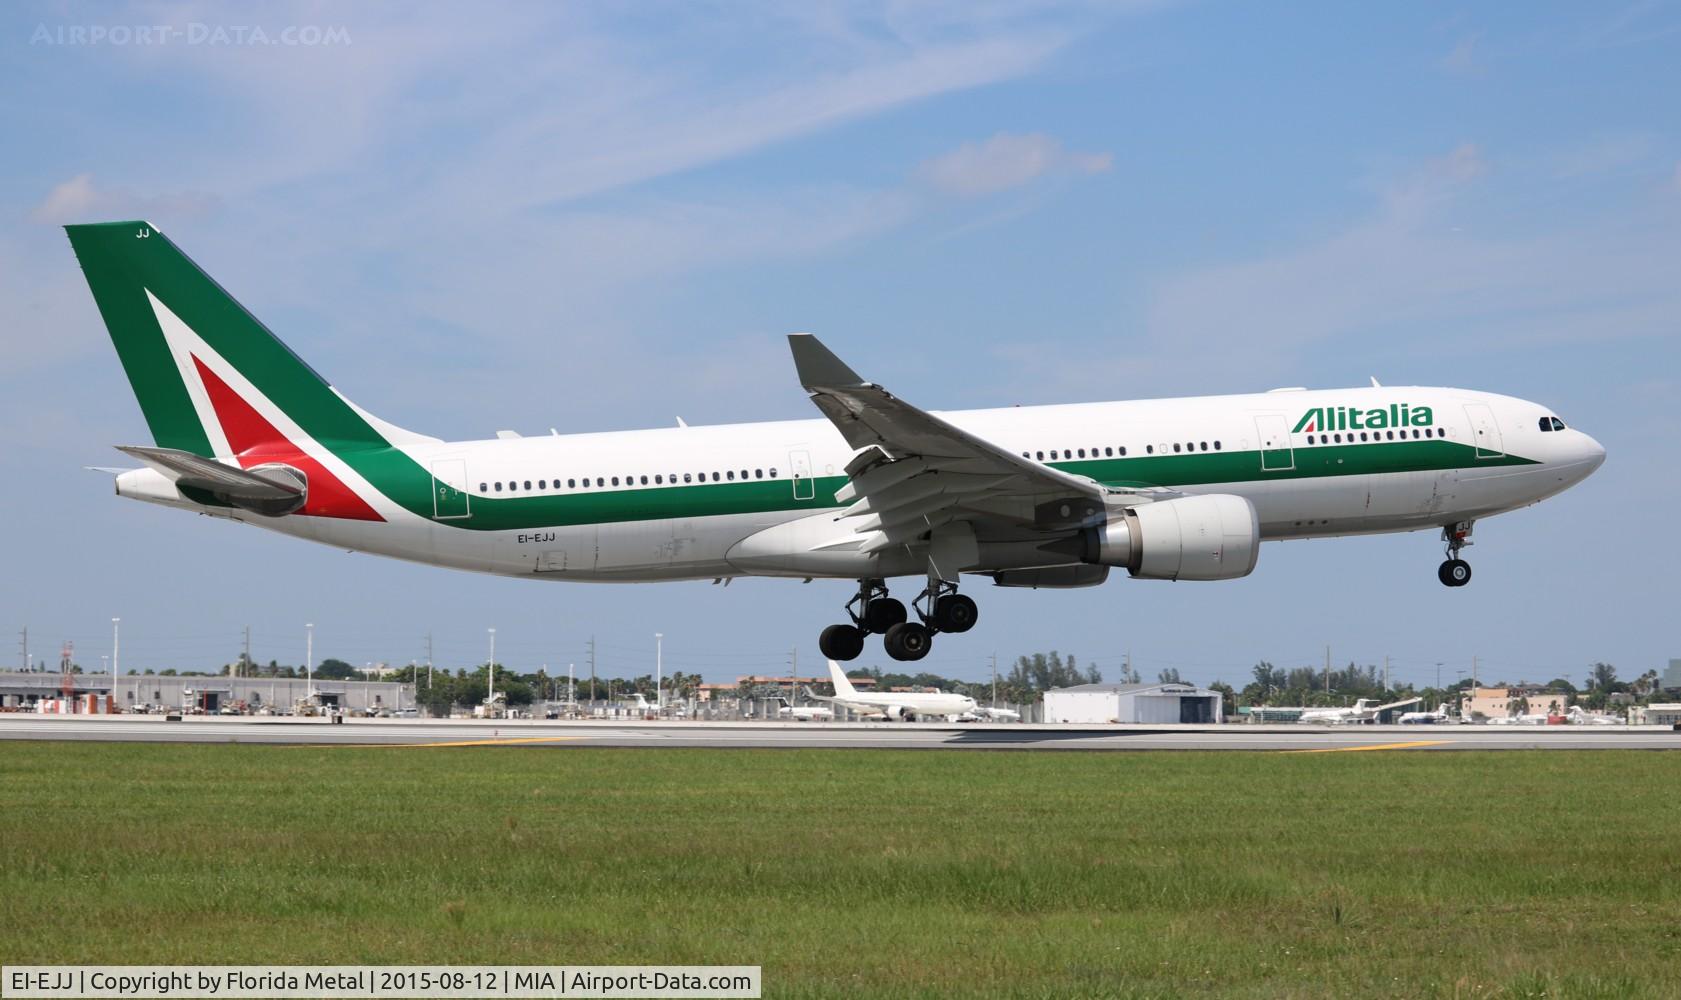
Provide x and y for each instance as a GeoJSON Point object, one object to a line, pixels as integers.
{"type": "Point", "coordinates": [817, 365]}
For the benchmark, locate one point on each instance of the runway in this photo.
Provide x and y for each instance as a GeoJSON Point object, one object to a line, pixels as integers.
{"type": "Point", "coordinates": [462, 734]}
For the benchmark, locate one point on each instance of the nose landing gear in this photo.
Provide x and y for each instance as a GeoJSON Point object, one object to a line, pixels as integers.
{"type": "Point", "coordinates": [1455, 572]}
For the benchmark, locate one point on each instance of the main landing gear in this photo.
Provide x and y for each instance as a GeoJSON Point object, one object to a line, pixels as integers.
{"type": "Point", "coordinates": [939, 607]}
{"type": "Point", "coordinates": [1455, 572]}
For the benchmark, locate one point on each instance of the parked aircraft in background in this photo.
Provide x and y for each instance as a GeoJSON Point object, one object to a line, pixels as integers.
{"type": "Point", "coordinates": [1580, 716]}
{"type": "Point", "coordinates": [803, 713]}
{"type": "Point", "coordinates": [1029, 496]}
{"type": "Point", "coordinates": [1365, 710]}
{"type": "Point", "coordinates": [1438, 717]}
{"type": "Point", "coordinates": [905, 706]}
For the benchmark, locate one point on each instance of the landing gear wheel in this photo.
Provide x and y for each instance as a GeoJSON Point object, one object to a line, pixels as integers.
{"type": "Point", "coordinates": [908, 641]}
{"type": "Point", "coordinates": [883, 613]}
{"type": "Point", "coordinates": [841, 642]}
{"type": "Point", "coordinates": [955, 613]}
{"type": "Point", "coordinates": [1454, 573]}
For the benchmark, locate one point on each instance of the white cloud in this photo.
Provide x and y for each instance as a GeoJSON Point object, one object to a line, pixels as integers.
{"type": "Point", "coordinates": [1462, 58]}
{"type": "Point", "coordinates": [1413, 274]}
{"type": "Point", "coordinates": [1005, 161]}
{"type": "Point", "coordinates": [79, 200]}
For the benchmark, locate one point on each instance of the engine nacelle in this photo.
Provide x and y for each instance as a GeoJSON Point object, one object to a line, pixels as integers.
{"type": "Point", "coordinates": [1215, 537]}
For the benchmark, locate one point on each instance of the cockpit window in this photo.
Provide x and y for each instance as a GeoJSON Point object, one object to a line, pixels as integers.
{"type": "Point", "coordinates": [1558, 425]}
{"type": "Point", "coordinates": [1546, 424]}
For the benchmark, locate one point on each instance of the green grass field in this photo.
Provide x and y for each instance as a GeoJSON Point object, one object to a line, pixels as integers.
{"type": "Point", "coordinates": [865, 872]}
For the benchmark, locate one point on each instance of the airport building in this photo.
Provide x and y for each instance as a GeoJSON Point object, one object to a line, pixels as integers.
{"type": "Point", "coordinates": [1671, 680]}
{"type": "Point", "coordinates": [1501, 702]}
{"type": "Point", "coordinates": [20, 691]}
{"type": "Point", "coordinates": [1148, 704]}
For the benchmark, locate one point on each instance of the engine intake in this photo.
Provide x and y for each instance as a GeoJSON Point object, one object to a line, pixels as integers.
{"type": "Point", "coordinates": [1214, 537]}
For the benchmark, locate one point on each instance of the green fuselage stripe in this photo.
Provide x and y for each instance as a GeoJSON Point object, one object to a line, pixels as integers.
{"type": "Point", "coordinates": [609, 505]}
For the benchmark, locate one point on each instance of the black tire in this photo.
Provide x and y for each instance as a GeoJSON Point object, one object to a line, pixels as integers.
{"type": "Point", "coordinates": [1459, 572]}
{"type": "Point", "coordinates": [883, 613]}
{"type": "Point", "coordinates": [841, 642]}
{"type": "Point", "coordinates": [955, 613]}
{"type": "Point", "coordinates": [1442, 573]}
{"type": "Point", "coordinates": [908, 641]}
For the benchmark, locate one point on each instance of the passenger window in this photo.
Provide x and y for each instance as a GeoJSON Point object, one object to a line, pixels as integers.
{"type": "Point", "coordinates": [615, 480]}
{"type": "Point", "coordinates": [1108, 452]}
{"type": "Point", "coordinates": [542, 484]}
{"type": "Point", "coordinates": [715, 477]}
{"type": "Point", "coordinates": [1123, 451]}
{"type": "Point", "coordinates": [1205, 446]}
{"type": "Point", "coordinates": [1339, 439]}
{"type": "Point", "coordinates": [498, 486]}
{"type": "Point", "coordinates": [1149, 449]}
{"type": "Point", "coordinates": [644, 480]}
{"type": "Point", "coordinates": [1053, 454]}
{"type": "Point", "coordinates": [483, 487]}
{"type": "Point", "coordinates": [773, 472]}
{"type": "Point", "coordinates": [600, 481]}
{"type": "Point", "coordinates": [758, 473]}
{"type": "Point", "coordinates": [731, 475]}
{"type": "Point", "coordinates": [685, 477]}
{"type": "Point", "coordinates": [1176, 447]}
{"type": "Point", "coordinates": [1041, 456]}
{"type": "Point", "coordinates": [571, 484]}
{"type": "Point", "coordinates": [1082, 453]}
{"type": "Point", "coordinates": [1216, 446]}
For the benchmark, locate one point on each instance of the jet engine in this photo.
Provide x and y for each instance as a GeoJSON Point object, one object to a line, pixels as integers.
{"type": "Point", "coordinates": [1214, 537]}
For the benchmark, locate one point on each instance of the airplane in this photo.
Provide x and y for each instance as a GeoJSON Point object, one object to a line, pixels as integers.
{"type": "Point", "coordinates": [904, 706]}
{"type": "Point", "coordinates": [1364, 710]}
{"type": "Point", "coordinates": [803, 713]}
{"type": "Point", "coordinates": [1438, 717]}
{"type": "Point", "coordinates": [1046, 497]}
{"type": "Point", "coordinates": [995, 714]}
{"type": "Point", "coordinates": [1580, 716]}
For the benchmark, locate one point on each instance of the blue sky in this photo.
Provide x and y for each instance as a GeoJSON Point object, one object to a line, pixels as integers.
{"type": "Point", "coordinates": [600, 217]}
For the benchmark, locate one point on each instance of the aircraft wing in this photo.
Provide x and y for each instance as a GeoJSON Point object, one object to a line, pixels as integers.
{"type": "Point", "coordinates": [916, 472]}
{"type": "Point", "coordinates": [183, 468]}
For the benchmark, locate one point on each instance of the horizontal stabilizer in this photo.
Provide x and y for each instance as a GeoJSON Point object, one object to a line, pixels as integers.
{"type": "Point", "coordinates": [272, 490]}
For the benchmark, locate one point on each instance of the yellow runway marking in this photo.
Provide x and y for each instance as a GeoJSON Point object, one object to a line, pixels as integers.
{"type": "Point", "coordinates": [1375, 746]}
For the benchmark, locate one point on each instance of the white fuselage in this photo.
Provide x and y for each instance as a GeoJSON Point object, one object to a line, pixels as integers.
{"type": "Point", "coordinates": [1297, 488]}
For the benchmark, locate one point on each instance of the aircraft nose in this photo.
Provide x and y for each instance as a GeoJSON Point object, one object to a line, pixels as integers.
{"type": "Point", "coordinates": [1593, 454]}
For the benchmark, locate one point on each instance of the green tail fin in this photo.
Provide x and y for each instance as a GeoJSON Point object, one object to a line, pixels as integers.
{"type": "Point", "coordinates": [144, 285]}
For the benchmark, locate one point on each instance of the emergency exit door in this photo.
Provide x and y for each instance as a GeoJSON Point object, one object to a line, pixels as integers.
{"type": "Point", "coordinates": [449, 490]}
{"type": "Point", "coordinates": [799, 464]}
{"type": "Point", "coordinates": [1277, 454]}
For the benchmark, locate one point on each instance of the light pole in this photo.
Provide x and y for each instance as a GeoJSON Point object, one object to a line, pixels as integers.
{"type": "Point", "coordinates": [309, 662]}
{"type": "Point", "coordinates": [659, 670]}
{"type": "Point", "coordinates": [115, 636]}
{"type": "Point", "coordinates": [571, 689]}
{"type": "Point", "coordinates": [490, 687]}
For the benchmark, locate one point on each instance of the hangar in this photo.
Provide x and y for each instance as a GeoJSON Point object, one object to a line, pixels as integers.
{"type": "Point", "coordinates": [1150, 704]}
